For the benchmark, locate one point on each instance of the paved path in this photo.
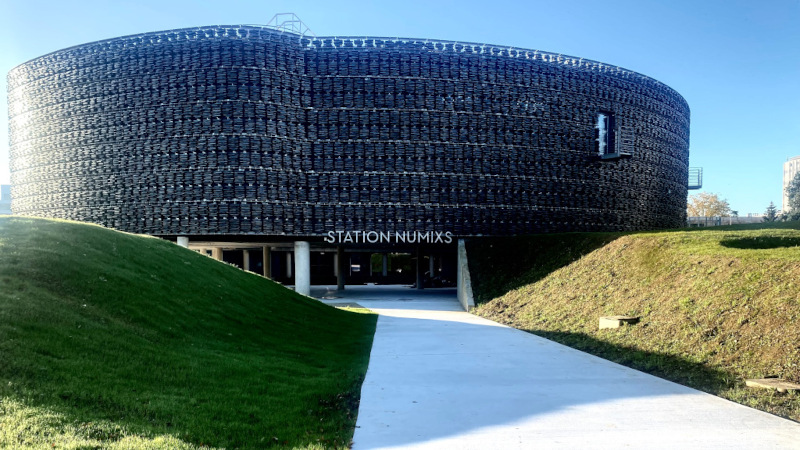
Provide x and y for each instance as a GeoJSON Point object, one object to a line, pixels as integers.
{"type": "Point", "coordinates": [441, 378]}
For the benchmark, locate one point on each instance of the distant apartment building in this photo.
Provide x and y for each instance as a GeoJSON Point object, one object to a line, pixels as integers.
{"type": "Point", "coordinates": [790, 169]}
{"type": "Point", "coordinates": [5, 199]}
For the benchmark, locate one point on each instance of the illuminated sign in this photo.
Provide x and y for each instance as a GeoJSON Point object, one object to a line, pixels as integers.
{"type": "Point", "coordinates": [389, 237]}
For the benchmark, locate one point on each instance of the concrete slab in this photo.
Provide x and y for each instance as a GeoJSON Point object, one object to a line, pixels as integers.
{"type": "Point", "coordinates": [442, 378]}
{"type": "Point", "coordinates": [617, 321]}
{"type": "Point", "coordinates": [777, 384]}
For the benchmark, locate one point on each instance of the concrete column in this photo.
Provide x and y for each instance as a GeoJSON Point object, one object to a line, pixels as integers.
{"type": "Point", "coordinates": [216, 253]}
{"type": "Point", "coordinates": [267, 264]}
{"type": "Point", "coordinates": [463, 282]}
{"type": "Point", "coordinates": [302, 267]}
{"type": "Point", "coordinates": [340, 270]}
{"type": "Point", "coordinates": [431, 267]}
{"type": "Point", "coordinates": [336, 264]}
{"type": "Point", "coordinates": [420, 277]}
{"type": "Point", "coordinates": [246, 260]}
{"type": "Point", "coordinates": [183, 241]}
{"type": "Point", "coordinates": [385, 265]}
{"type": "Point", "coordinates": [289, 265]}
{"type": "Point", "coordinates": [461, 256]}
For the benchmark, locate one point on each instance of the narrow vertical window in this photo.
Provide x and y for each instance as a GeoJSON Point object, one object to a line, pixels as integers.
{"type": "Point", "coordinates": [604, 131]}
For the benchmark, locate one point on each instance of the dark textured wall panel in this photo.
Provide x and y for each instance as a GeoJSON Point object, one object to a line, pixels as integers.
{"type": "Point", "coordinates": [245, 130]}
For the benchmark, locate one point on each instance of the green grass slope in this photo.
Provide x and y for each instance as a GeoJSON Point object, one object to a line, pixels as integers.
{"type": "Point", "coordinates": [120, 341]}
{"type": "Point", "coordinates": [717, 305]}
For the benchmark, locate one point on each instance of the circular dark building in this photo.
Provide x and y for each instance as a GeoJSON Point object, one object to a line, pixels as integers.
{"type": "Point", "coordinates": [241, 130]}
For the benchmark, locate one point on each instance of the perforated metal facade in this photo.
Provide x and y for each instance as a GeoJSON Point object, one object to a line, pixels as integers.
{"type": "Point", "coordinates": [238, 130]}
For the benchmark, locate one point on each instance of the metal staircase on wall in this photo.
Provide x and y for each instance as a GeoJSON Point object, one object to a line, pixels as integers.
{"type": "Point", "coordinates": [695, 178]}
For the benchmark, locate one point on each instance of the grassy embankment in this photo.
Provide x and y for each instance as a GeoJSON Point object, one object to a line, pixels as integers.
{"type": "Point", "coordinates": [717, 305]}
{"type": "Point", "coordinates": [120, 341]}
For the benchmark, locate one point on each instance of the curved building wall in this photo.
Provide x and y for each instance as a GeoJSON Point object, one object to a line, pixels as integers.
{"type": "Point", "coordinates": [246, 130]}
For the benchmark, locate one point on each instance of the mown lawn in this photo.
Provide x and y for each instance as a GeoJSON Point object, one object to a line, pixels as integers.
{"type": "Point", "coordinates": [112, 340]}
{"type": "Point", "coordinates": [717, 305]}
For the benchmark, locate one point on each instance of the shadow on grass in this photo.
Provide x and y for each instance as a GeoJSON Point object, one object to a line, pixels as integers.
{"type": "Point", "coordinates": [507, 263]}
{"type": "Point", "coordinates": [761, 243]}
{"type": "Point", "coordinates": [673, 368]}
{"type": "Point", "coordinates": [502, 264]}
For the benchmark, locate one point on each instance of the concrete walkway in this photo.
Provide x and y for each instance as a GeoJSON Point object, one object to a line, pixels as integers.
{"type": "Point", "coordinates": [442, 378]}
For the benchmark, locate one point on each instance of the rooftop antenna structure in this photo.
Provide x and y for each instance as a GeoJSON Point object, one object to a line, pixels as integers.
{"type": "Point", "coordinates": [291, 23]}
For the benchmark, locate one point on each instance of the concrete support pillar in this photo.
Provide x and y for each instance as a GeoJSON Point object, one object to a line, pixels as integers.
{"type": "Point", "coordinates": [183, 241]}
{"type": "Point", "coordinates": [463, 282]}
{"type": "Point", "coordinates": [420, 263]}
{"type": "Point", "coordinates": [289, 265]}
{"type": "Point", "coordinates": [431, 267]}
{"type": "Point", "coordinates": [302, 267]}
{"type": "Point", "coordinates": [267, 264]}
{"type": "Point", "coordinates": [336, 264]}
{"type": "Point", "coordinates": [340, 269]}
{"type": "Point", "coordinates": [216, 253]}
{"type": "Point", "coordinates": [246, 260]}
{"type": "Point", "coordinates": [385, 265]}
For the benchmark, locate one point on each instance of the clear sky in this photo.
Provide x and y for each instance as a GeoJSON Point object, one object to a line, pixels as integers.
{"type": "Point", "coordinates": [736, 62]}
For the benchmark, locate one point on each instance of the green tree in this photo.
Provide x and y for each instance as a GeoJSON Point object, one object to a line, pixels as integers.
{"type": "Point", "coordinates": [793, 197]}
{"type": "Point", "coordinates": [706, 204]}
{"type": "Point", "coordinates": [771, 214]}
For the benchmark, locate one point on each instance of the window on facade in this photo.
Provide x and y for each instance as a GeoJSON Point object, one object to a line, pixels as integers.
{"type": "Point", "coordinates": [604, 132]}
{"type": "Point", "coordinates": [612, 141]}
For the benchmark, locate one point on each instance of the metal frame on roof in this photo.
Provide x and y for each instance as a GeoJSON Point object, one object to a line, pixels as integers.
{"type": "Point", "coordinates": [289, 22]}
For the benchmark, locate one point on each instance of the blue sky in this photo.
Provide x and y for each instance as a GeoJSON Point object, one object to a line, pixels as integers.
{"type": "Point", "coordinates": [737, 63]}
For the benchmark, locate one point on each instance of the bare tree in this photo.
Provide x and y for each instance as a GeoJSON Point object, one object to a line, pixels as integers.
{"type": "Point", "coordinates": [706, 204]}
